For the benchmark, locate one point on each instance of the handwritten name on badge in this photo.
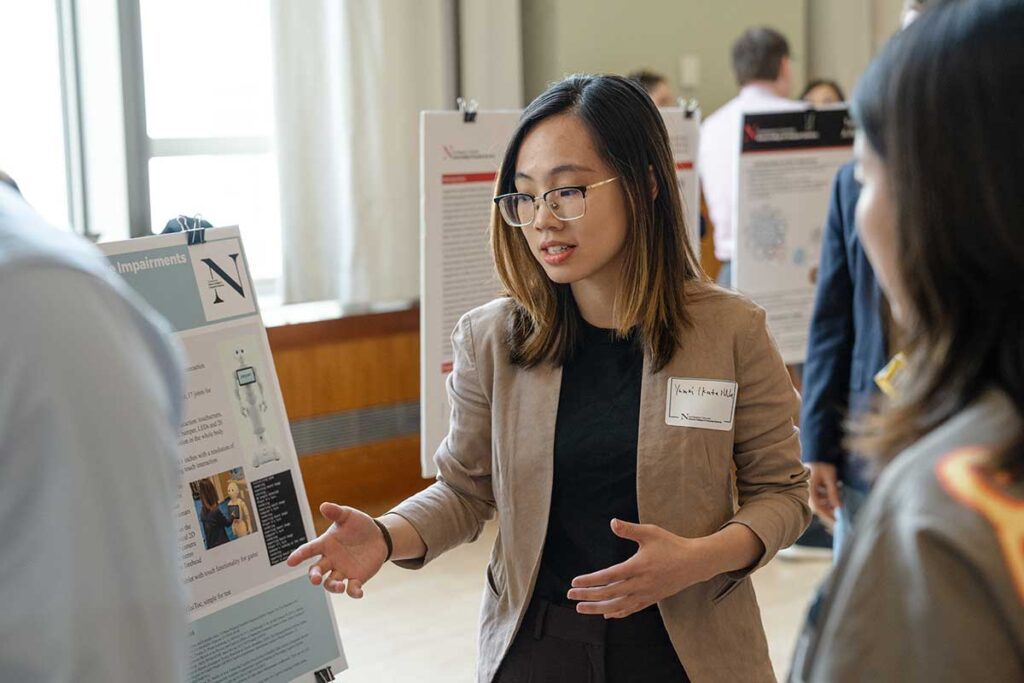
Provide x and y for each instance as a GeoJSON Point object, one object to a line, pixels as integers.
{"type": "Point", "coordinates": [700, 403]}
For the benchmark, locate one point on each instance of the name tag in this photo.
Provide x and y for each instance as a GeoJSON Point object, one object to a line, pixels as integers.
{"type": "Point", "coordinates": [700, 403]}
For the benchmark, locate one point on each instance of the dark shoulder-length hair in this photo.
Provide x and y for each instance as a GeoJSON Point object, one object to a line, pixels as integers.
{"type": "Point", "coordinates": [943, 106]}
{"type": "Point", "coordinates": [629, 133]}
{"type": "Point", "coordinates": [208, 494]}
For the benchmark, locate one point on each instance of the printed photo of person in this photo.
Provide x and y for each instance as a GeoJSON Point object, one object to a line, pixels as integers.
{"type": "Point", "coordinates": [223, 507]}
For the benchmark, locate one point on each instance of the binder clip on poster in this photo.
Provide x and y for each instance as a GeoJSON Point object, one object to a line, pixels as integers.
{"type": "Point", "coordinates": [325, 675]}
{"type": "Point", "coordinates": [195, 227]}
{"type": "Point", "coordinates": [690, 106]}
{"type": "Point", "coordinates": [467, 108]}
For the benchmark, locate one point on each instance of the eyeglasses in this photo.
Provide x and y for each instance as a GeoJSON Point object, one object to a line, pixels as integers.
{"type": "Point", "coordinates": [566, 203]}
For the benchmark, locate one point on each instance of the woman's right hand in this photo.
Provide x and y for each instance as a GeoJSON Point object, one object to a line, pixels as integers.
{"type": "Point", "coordinates": [351, 552]}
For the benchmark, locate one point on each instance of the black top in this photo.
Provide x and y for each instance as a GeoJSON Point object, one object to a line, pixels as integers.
{"type": "Point", "coordinates": [214, 523]}
{"type": "Point", "coordinates": [595, 461]}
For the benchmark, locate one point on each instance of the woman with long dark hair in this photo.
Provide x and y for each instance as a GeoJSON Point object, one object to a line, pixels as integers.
{"type": "Point", "coordinates": [215, 523]}
{"type": "Point", "coordinates": [931, 586]}
{"type": "Point", "coordinates": [600, 409]}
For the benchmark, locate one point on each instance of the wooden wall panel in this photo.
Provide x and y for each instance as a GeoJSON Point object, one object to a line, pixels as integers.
{"type": "Point", "coordinates": [371, 478]}
{"type": "Point", "coordinates": [327, 377]}
{"type": "Point", "coordinates": [340, 365]}
{"type": "Point", "coordinates": [708, 261]}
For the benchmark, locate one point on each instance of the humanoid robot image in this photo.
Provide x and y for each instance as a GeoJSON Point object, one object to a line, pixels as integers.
{"type": "Point", "coordinates": [253, 406]}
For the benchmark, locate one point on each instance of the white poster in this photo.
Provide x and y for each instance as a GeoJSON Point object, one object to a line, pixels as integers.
{"type": "Point", "coordinates": [242, 506]}
{"type": "Point", "coordinates": [459, 165]}
{"type": "Point", "coordinates": [459, 162]}
{"type": "Point", "coordinates": [787, 163]}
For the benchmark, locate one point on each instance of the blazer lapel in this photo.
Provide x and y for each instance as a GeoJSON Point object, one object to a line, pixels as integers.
{"type": "Point", "coordinates": [652, 401]}
{"type": "Point", "coordinates": [532, 461]}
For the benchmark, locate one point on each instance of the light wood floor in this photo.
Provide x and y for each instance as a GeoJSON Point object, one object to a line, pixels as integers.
{"type": "Point", "coordinates": [421, 626]}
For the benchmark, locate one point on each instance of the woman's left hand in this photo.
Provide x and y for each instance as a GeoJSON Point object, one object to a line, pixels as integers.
{"type": "Point", "coordinates": [663, 565]}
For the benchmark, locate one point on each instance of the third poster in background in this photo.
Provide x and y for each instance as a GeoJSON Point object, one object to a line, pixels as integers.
{"type": "Point", "coordinates": [787, 163]}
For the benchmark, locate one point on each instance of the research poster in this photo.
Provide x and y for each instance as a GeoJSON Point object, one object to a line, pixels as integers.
{"type": "Point", "coordinates": [459, 162]}
{"type": "Point", "coordinates": [459, 165]}
{"type": "Point", "coordinates": [787, 163]}
{"type": "Point", "coordinates": [242, 506]}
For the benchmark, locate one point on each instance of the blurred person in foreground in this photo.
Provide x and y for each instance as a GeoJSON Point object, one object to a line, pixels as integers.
{"type": "Point", "coordinates": [931, 585]}
{"type": "Point", "coordinates": [90, 391]}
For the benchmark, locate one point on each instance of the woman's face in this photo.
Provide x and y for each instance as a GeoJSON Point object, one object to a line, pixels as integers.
{"type": "Point", "coordinates": [876, 221]}
{"type": "Point", "coordinates": [559, 152]}
{"type": "Point", "coordinates": [822, 96]}
{"type": "Point", "coordinates": [662, 95]}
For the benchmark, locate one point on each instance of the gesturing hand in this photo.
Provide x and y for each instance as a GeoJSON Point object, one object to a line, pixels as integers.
{"type": "Point", "coordinates": [663, 565]}
{"type": "Point", "coordinates": [825, 492]}
{"type": "Point", "coordinates": [352, 550]}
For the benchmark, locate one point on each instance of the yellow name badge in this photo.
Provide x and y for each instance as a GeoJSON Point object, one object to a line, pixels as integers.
{"type": "Point", "coordinates": [888, 378]}
{"type": "Point", "coordinates": [700, 403]}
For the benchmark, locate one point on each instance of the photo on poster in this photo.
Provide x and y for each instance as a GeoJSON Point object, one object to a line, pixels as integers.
{"type": "Point", "coordinates": [246, 374]}
{"type": "Point", "coordinates": [223, 506]}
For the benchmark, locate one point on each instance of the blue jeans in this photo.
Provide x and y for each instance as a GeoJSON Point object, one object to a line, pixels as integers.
{"type": "Point", "coordinates": [846, 516]}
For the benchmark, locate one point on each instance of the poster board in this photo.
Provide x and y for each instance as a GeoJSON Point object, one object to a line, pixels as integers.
{"type": "Point", "coordinates": [784, 179]}
{"type": "Point", "coordinates": [459, 161]}
{"type": "Point", "coordinates": [242, 505]}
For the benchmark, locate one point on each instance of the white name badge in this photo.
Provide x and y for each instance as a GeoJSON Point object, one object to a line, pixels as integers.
{"type": "Point", "coordinates": [700, 403]}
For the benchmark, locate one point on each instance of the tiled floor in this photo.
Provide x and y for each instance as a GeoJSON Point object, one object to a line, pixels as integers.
{"type": "Point", "coordinates": [421, 626]}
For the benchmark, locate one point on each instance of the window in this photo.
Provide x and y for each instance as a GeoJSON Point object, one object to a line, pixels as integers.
{"type": "Point", "coordinates": [32, 119]}
{"type": "Point", "coordinates": [207, 107]}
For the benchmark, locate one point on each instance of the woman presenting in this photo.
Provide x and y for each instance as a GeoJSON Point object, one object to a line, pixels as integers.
{"type": "Point", "coordinates": [600, 409]}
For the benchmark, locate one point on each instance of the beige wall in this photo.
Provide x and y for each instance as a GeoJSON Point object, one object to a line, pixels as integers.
{"type": "Point", "coordinates": [843, 35]}
{"type": "Point", "coordinates": [613, 36]}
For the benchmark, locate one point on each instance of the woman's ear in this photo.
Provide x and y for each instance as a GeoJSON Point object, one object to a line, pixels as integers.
{"type": "Point", "coordinates": [654, 183]}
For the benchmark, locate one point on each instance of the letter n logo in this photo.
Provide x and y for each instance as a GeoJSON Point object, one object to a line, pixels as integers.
{"type": "Point", "coordinates": [219, 278]}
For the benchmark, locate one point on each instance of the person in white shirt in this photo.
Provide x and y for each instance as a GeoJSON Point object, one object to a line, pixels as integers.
{"type": "Point", "coordinates": [760, 61]}
{"type": "Point", "coordinates": [90, 405]}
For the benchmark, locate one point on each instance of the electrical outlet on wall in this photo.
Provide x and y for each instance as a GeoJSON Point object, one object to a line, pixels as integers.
{"type": "Point", "coordinates": [689, 74]}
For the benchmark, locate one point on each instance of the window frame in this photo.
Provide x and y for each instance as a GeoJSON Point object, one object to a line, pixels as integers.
{"type": "Point", "coordinates": [140, 148]}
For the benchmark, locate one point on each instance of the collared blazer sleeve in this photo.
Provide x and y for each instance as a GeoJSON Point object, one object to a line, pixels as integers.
{"type": "Point", "coordinates": [770, 479]}
{"type": "Point", "coordinates": [453, 510]}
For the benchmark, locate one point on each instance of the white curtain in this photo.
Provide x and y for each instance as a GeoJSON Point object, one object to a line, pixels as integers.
{"type": "Point", "coordinates": [351, 77]}
{"type": "Point", "coordinates": [491, 53]}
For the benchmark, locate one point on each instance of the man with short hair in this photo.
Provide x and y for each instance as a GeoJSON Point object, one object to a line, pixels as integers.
{"type": "Point", "coordinates": [90, 405]}
{"type": "Point", "coordinates": [760, 61]}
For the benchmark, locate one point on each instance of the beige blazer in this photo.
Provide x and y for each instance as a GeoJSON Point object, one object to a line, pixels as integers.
{"type": "Point", "coordinates": [498, 458]}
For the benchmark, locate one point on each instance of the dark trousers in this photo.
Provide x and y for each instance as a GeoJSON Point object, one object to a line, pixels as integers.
{"type": "Point", "coordinates": [558, 645]}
